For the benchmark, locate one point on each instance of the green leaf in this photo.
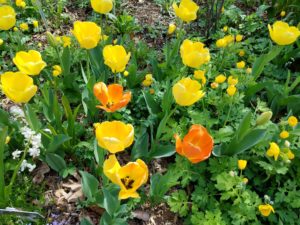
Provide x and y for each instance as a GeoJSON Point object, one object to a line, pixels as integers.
{"type": "Point", "coordinates": [244, 126]}
{"type": "Point", "coordinates": [97, 64]}
{"type": "Point", "coordinates": [264, 59]}
{"type": "Point", "coordinates": [66, 61]}
{"type": "Point", "coordinates": [141, 145]}
{"type": "Point", "coordinates": [178, 203]}
{"type": "Point", "coordinates": [56, 162]}
{"type": "Point", "coordinates": [153, 107]}
{"type": "Point", "coordinates": [162, 151]}
{"type": "Point", "coordinates": [90, 185]}
{"type": "Point", "coordinates": [57, 141]}
{"type": "Point", "coordinates": [31, 118]}
{"type": "Point", "coordinates": [110, 202]}
{"type": "Point", "coordinates": [86, 221]}
{"type": "Point", "coordinates": [250, 140]}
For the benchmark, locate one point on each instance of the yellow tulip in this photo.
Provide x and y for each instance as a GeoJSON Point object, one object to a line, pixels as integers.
{"type": "Point", "coordinates": [115, 57]}
{"type": "Point", "coordinates": [186, 11]}
{"type": "Point", "coordinates": [242, 164]}
{"type": "Point", "coordinates": [111, 167]}
{"type": "Point", "coordinates": [88, 34]}
{"type": "Point", "coordinates": [293, 121]}
{"type": "Point", "coordinates": [187, 91]}
{"type": "Point", "coordinates": [220, 79]}
{"type": "Point", "coordinates": [231, 90]}
{"type": "Point", "coordinates": [24, 27]}
{"type": "Point", "coordinates": [241, 65]}
{"type": "Point", "coordinates": [239, 38]}
{"type": "Point", "coordinates": [102, 6]}
{"type": "Point", "coordinates": [266, 209]}
{"type": "Point", "coordinates": [129, 177]}
{"type": "Point", "coordinates": [18, 86]}
{"type": "Point", "coordinates": [7, 17]}
{"type": "Point", "coordinates": [273, 151]}
{"type": "Point", "coordinates": [194, 54]}
{"type": "Point", "coordinates": [283, 34]}
{"type": "Point", "coordinates": [56, 70]}
{"type": "Point", "coordinates": [114, 136]}
{"type": "Point", "coordinates": [30, 62]}
{"type": "Point", "coordinates": [200, 75]}
{"type": "Point", "coordinates": [172, 28]}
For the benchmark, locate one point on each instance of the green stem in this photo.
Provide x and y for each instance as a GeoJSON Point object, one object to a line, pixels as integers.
{"type": "Point", "coordinates": [2, 181]}
{"type": "Point", "coordinates": [294, 85]}
{"type": "Point", "coordinates": [163, 123]}
{"type": "Point", "coordinates": [17, 168]}
{"type": "Point", "coordinates": [229, 111]}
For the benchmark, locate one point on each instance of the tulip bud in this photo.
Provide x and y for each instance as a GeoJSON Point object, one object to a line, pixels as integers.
{"type": "Point", "coordinates": [7, 139]}
{"type": "Point", "coordinates": [51, 39]}
{"type": "Point", "coordinates": [264, 118]}
{"type": "Point", "coordinates": [172, 28]}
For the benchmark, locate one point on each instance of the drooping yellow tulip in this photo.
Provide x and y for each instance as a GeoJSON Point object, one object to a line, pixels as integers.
{"type": "Point", "coordinates": [88, 34]}
{"type": "Point", "coordinates": [283, 34]}
{"type": "Point", "coordinates": [186, 11]}
{"type": "Point", "coordinates": [7, 17]}
{"type": "Point", "coordinates": [30, 62]}
{"type": "Point", "coordinates": [115, 57]}
{"type": "Point", "coordinates": [187, 91]}
{"type": "Point", "coordinates": [114, 136]}
{"type": "Point", "coordinates": [129, 177]}
{"type": "Point", "coordinates": [194, 54]}
{"type": "Point", "coordinates": [102, 6]}
{"type": "Point", "coordinates": [18, 86]}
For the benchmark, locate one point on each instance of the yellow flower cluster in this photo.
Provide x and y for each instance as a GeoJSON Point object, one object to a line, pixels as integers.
{"type": "Point", "coordinates": [225, 41]}
{"type": "Point", "coordinates": [148, 80]}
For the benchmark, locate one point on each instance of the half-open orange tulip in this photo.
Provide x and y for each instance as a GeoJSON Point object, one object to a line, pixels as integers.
{"type": "Point", "coordinates": [111, 97]}
{"type": "Point", "coordinates": [197, 145]}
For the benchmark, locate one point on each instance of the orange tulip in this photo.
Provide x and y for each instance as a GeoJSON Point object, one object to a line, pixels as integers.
{"type": "Point", "coordinates": [197, 145]}
{"type": "Point", "coordinates": [112, 97]}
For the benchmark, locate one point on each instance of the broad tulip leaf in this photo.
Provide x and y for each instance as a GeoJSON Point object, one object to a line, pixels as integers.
{"type": "Point", "coordinates": [90, 185]}
{"type": "Point", "coordinates": [56, 162]}
{"type": "Point", "coordinates": [57, 141]}
{"type": "Point", "coordinates": [263, 60]}
{"type": "Point", "coordinates": [162, 151]}
{"type": "Point", "coordinates": [31, 118]}
{"type": "Point", "coordinates": [141, 145]}
{"type": "Point", "coordinates": [110, 202]}
{"type": "Point", "coordinates": [244, 125]}
{"type": "Point", "coordinates": [86, 221]}
{"type": "Point", "coordinates": [153, 107]}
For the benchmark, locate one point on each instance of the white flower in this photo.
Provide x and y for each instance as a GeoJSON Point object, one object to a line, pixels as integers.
{"type": "Point", "coordinates": [27, 133]}
{"type": "Point", "coordinates": [287, 144]}
{"type": "Point", "coordinates": [36, 140]}
{"type": "Point", "coordinates": [17, 111]}
{"type": "Point", "coordinates": [23, 165]}
{"type": "Point", "coordinates": [34, 152]}
{"type": "Point", "coordinates": [30, 167]}
{"type": "Point", "coordinates": [16, 154]}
